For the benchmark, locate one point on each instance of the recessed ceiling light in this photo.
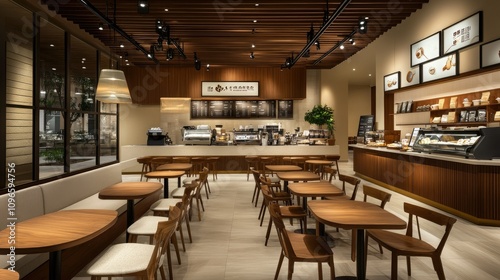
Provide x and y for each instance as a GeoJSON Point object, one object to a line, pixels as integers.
{"type": "Point", "coordinates": [353, 69]}
{"type": "Point", "coordinates": [54, 69]}
{"type": "Point", "coordinates": [369, 75]}
{"type": "Point", "coordinates": [101, 27]}
{"type": "Point", "coordinates": [254, 21]}
{"type": "Point", "coordinates": [122, 45]}
{"type": "Point", "coordinates": [52, 45]}
{"type": "Point", "coordinates": [83, 67]}
{"type": "Point", "coordinates": [83, 59]}
{"type": "Point", "coordinates": [256, 4]}
{"type": "Point", "coordinates": [166, 10]}
{"type": "Point", "coordinates": [253, 45]}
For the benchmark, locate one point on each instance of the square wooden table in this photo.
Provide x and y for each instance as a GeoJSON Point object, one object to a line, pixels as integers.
{"type": "Point", "coordinates": [355, 215]}
{"type": "Point", "coordinates": [313, 189]}
{"type": "Point", "coordinates": [297, 176]}
{"type": "Point", "coordinates": [57, 231]}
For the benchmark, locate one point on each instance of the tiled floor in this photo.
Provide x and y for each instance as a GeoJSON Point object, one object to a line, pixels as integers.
{"type": "Point", "coordinates": [229, 243]}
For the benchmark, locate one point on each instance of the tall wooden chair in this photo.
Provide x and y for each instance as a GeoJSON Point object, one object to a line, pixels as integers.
{"type": "Point", "coordinates": [410, 246]}
{"type": "Point", "coordinates": [299, 247]}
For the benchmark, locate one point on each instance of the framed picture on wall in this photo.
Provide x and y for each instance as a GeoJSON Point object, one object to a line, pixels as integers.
{"type": "Point", "coordinates": [392, 81]}
{"type": "Point", "coordinates": [412, 77]}
{"type": "Point", "coordinates": [445, 66]}
{"type": "Point", "coordinates": [425, 49]}
{"type": "Point", "coordinates": [464, 33]}
{"type": "Point", "coordinates": [490, 53]}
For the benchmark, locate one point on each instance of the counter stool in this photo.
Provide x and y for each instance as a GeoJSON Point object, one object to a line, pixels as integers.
{"type": "Point", "coordinates": [159, 160]}
{"type": "Point", "coordinates": [266, 160]}
{"type": "Point", "coordinates": [286, 160]}
{"type": "Point", "coordinates": [183, 160]}
{"type": "Point", "coordinates": [146, 164]}
{"type": "Point", "coordinates": [334, 158]}
{"type": "Point", "coordinates": [252, 161]}
{"type": "Point", "coordinates": [212, 165]}
{"type": "Point", "coordinates": [198, 164]}
{"type": "Point", "coordinates": [311, 166]}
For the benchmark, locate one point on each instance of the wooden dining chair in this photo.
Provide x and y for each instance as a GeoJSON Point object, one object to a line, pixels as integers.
{"type": "Point", "coordinates": [347, 180]}
{"type": "Point", "coordinates": [298, 247]}
{"type": "Point", "coordinates": [410, 246]}
{"type": "Point", "coordinates": [330, 173]}
{"type": "Point", "coordinates": [137, 259]}
{"type": "Point", "coordinates": [370, 194]}
{"type": "Point", "coordinates": [276, 194]}
{"type": "Point", "coordinates": [287, 211]}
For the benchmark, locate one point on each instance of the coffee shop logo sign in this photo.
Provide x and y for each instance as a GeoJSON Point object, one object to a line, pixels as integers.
{"type": "Point", "coordinates": [230, 89]}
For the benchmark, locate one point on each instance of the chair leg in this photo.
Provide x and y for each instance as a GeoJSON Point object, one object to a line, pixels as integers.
{"type": "Point", "coordinates": [438, 267]}
{"type": "Point", "coordinates": [207, 189]}
{"type": "Point", "coordinates": [268, 233]}
{"type": "Point", "coordinates": [290, 269]}
{"type": "Point", "coordinates": [169, 258]}
{"type": "Point", "coordinates": [280, 262]}
{"type": "Point", "coordinates": [176, 246]}
{"type": "Point", "coordinates": [394, 266]}
{"type": "Point", "coordinates": [189, 229]}
{"type": "Point", "coordinates": [162, 272]}
{"type": "Point", "coordinates": [320, 271]}
{"type": "Point", "coordinates": [182, 237]}
{"type": "Point", "coordinates": [263, 214]}
{"type": "Point", "coordinates": [199, 210]}
{"type": "Point", "coordinates": [262, 209]}
{"type": "Point", "coordinates": [408, 265]}
{"type": "Point", "coordinates": [332, 268]}
{"type": "Point", "coordinates": [354, 235]}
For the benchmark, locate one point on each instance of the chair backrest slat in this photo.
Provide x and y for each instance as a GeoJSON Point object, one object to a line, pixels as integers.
{"type": "Point", "coordinates": [351, 180]}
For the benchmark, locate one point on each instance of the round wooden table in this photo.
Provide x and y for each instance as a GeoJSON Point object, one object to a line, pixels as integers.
{"type": "Point", "coordinates": [6, 274]}
{"type": "Point", "coordinates": [55, 232]}
{"type": "Point", "coordinates": [355, 215]}
{"type": "Point", "coordinates": [166, 175]}
{"type": "Point", "coordinates": [130, 191]}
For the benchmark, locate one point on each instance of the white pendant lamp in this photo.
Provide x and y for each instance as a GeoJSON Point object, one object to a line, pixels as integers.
{"type": "Point", "coordinates": [112, 87]}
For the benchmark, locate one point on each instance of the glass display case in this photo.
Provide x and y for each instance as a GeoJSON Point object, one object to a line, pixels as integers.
{"type": "Point", "coordinates": [478, 143]}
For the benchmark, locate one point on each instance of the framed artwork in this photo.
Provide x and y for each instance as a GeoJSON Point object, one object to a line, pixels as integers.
{"type": "Point", "coordinates": [445, 66]}
{"type": "Point", "coordinates": [412, 77]}
{"type": "Point", "coordinates": [223, 89]}
{"type": "Point", "coordinates": [490, 53]}
{"type": "Point", "coordinates": [392, 81]}
{"type": "Point", "coordinates": [464, 33]}
{"type": "Point", "coordinates": [425, 49]}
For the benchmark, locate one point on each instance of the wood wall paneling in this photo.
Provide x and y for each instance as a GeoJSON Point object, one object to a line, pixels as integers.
{"type": "Point", "coordinates": [148, 84]}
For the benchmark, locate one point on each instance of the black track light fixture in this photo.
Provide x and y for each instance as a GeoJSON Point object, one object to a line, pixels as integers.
{"type": "Point", "coordinates": [197, 62]}
{"type": "Point", "coordinates": [151, 54]}
{"type": "Point", "coordinates": [310, 34]}
{"type": "Point", "coordinates": [101, 27]}
{"type": "Point", "coordinates": [252, 56]}
{"type": "Point", "coordinates": [208, 67]}
{"type": "Point", "coordinates": [363, 25]}
{"type": "Point", "coordinates": [318, 45]}
{"type": "Point", "coordinates": [170, 54]}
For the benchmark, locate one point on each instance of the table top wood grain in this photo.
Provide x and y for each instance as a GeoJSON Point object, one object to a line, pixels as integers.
{"type": "Point", "coordinates": [283, 167]}
{"type": "Point", "coordinates": [314, 189]}
{"type": "Point", "coordinates": [175, 166]}
{"type": "Point", "coordinates": [6, 274]}
{"type": "Point", "coordinates": [57, 230]}
{"type": "Point", "coordinates": [165, 174]}
{"type": "Point", "coordinates": [130, 190]}
{"type": "Point", "coordinates": [351, 214]}
{"type": "Point", "coordinates": [298, 176]}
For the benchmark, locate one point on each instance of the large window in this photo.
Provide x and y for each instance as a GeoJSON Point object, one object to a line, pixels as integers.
{"type": "Point", "coordinates": [53, 124]}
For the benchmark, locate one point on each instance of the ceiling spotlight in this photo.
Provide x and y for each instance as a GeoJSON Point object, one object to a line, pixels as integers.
{"type": "Point", "coordinates": [101, 27]}
{"type": "Point", "coordinates": [151, 54]}
{"type": "Point", "coordinates": [318, 47]}
{"type": "Point", "coordinates": [122, 45]}
{"type": "Point", "coordinates": [142, 6]}
{"type": "Point", "coordinates": [288, 62]}
{"type": "Point", "coordinates": [363, 25]}
{"type": "Point", "coordinates": [253, 45]}
{"type": "Point", "coordinates": [342, 46]}
{"type": "Point", "coordinates": [208, 67]}
{"type": "Point", "coordinates": [351, 40]}
{"type": "Point", "coordinates": [252, 56]}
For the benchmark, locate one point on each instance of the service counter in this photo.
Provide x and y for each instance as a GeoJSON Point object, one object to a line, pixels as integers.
{"type": "Point", "coordinates": [232, 158]}
{"type": "Point", "coordinates": [468, 188]}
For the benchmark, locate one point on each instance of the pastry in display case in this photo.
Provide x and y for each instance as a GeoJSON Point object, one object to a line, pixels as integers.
{"type": "Point", "coordinates": [478, 143]}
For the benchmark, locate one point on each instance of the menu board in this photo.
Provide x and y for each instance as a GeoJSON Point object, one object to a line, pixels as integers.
{"type": "Point", "coordinates": [285, 109]}
{"type": "Point", "coordinates": [228, 109]}
{"type": "Point", "coordinates": [365, 124]}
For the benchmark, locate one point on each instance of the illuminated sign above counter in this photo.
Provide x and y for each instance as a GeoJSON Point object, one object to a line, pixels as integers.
{"type": "Point", "coordinates": [226, 89]}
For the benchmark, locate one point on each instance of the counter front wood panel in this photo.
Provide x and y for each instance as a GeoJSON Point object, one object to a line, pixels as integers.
{"type": "Point", "coordinates": [471, 191]}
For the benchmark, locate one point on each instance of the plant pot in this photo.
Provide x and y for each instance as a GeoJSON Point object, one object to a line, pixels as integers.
{"type": "Point", "coordinates": [331, 142]}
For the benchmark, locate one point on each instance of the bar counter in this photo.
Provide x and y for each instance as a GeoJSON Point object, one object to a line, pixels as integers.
{"type": "Point", "coordinates": [232, 158]}
{"type": "Point", "coordinates": [467, 188]}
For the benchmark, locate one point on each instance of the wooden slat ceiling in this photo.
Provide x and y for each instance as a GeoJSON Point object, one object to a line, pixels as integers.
{"type": "Point", "coordinates": [222, 32]}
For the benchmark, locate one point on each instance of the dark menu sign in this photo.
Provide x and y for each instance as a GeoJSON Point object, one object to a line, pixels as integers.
{"type": "Point", "coordinates": [228, 109]}
{"type": "Point", "coordinates": [285, 109]}
{"type": "Point", "coordinates": [365, 124]}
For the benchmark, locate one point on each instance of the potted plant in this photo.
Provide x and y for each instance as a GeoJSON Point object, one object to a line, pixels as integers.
{"type": "Point", "coordinates": [321, 115]}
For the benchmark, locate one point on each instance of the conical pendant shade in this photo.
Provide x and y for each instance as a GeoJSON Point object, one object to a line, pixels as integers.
{"type": "Point", "coordinates": [112, 87]}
